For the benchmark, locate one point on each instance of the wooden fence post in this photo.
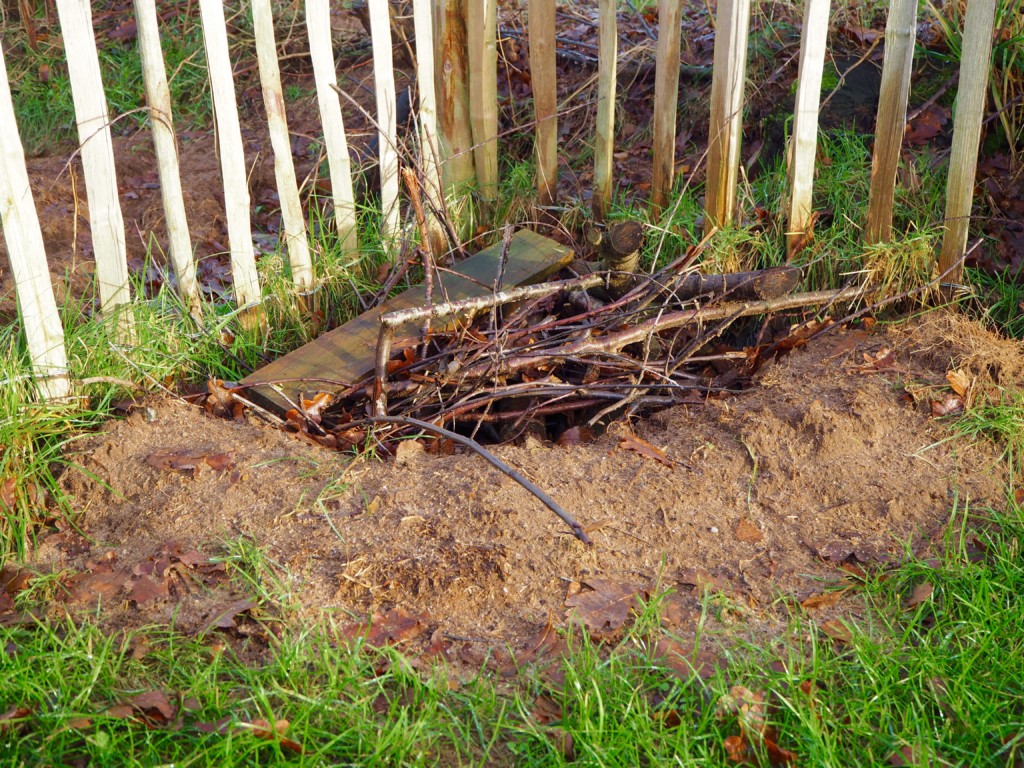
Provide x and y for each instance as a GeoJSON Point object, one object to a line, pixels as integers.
{"type": "Point", "coordinates": [43, 331]}
{"type": "Point", "coordinates": [459, 168]}
{"type": "Point", "coordinates": [293, 222]}
{"type": "Point", "coordinates": [900, 33]}
{"type": "Point", "coordinates": [605, 129]}
{"type": "Point", "coordinates": [804, 142]}
{"type": "Point", "coordinates": [232, 163]}
{"type": "Point", "coordinates": [666, 96]}
{"type": "Point", "coordinates": [106, 222]}
{"type": "Point", "coordinates": [963, 159]}
{"type": "Point", "coordinates": [387, 120]}
{"type": "Point", "coordinates": [541, 20]}
{"type": "Point", "coordinates": [430, 145]}
{"type": "Point", "coordinates": [321, 51]}
{"type": "Point", "coordinates": [726, 126]}
{"type": "Point", "coordinates": [165, 145]}
{"type": "Point", "coordinates": [481, 36]}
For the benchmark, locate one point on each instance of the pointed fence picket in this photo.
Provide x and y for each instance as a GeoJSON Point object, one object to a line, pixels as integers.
{"type": "Point", "coordinates": [97, 147]}
{"type": "Point", "coordinates": [321, 52]}
{"type": "Point", "coordinates": [456, 42]}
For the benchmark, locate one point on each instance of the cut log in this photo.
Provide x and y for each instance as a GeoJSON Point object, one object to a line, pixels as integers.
{"type": "Point", "coordinates": [619, 249]}
{"type": "Point", "coordinates": [760, 285]}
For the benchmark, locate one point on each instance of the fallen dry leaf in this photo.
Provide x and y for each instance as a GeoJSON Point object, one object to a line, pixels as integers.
{"type": "Point", "coordinates": [961, 381]}
{"type": "Point", "coordinates": [103, 585]}
{"type": "Point", "coordinates": [389, 628]}
{"type": "Point", "coordinates": [188, 460]}
{"type": "Point", "coordinates": [701, 580]}
{"type": "Point", "coordinates": [949, 405]}
{"type": "Point", "coordinates": [154, 707]}
{"type": "Point", "coordinates": [147, 588]}
{"type": "Point", "coordinates": [685, 663]}
{"type": "Point", "coordinates": [8, 493]}
{"type": "Point", "coordinates": [545, 710]}
{"type": "Point", "coordinates": [836, 630]}
{"type": "Point", "coordinates": [749, 706]}
{"type": "Point", "coordinates": [221, 401]}
{"type": "Point", "coordinates": [878, 361]}
{"type": "Point", "coordinates": [824, 600]}
{"type": "Point", "coordinates": [921, 593]}
{"type": "Point", "coordinates": [573, 436]}
{"type": "Point", "coordinates": [224, 617]}
{"type": "Point", "coordinates": [748, 532]}
{"type": "Point", "coordinates": [261, 729]}
{"type": "Point", "coordinates": [13, 718]}
{"type": "Point", "coordinates": [737, 748]}
{"type": "Point", "coordinates": [605, 608]}
{"type": "Point", "coordinates": [643, 448]}
{"type": "Point", "coordinates": [777, 756]}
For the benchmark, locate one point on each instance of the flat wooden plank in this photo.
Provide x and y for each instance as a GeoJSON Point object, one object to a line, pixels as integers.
{"type": "Point", "coordinates": [346, 354]}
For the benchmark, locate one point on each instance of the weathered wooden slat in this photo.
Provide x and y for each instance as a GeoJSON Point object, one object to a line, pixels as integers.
{"type": "Point", "coordinates": [346, 354]}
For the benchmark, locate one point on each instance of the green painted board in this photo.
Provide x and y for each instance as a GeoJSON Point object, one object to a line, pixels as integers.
{"type": "Point", "coordinates": [346, 354]}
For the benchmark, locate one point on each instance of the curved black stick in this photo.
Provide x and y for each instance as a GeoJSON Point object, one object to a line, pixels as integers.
{"type": "Point", "coordinates": [577, 529]}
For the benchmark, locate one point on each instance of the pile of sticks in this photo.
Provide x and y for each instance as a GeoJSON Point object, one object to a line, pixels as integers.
{"type": "Point", "coordinates": [593, 345]}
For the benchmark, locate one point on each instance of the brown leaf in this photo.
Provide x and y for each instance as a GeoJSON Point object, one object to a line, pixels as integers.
{"type": "Point", "coordinates": [749, 706]}
{"type": "Point", "coordinates": [605, 608]}
{"type": "Point", "coordinates": [686, 663]}
{"type": "Point", "coordinates": [904, 756]}
{"type": "Point", "coordinates": [545, 710]}
{"type": "Point", "coordinates": [748, 532]}
{"type": "Point", "coordinates": [777, 756]}
{"type": "Point", "coordinates": [263, 730]}
{"type": "Point", "coordinates": [545, 639]}
{"type": "Point", "coordinates": [878, 361]}
{"type": "Point", "coordinates": [643, 448]}
{"type": "Point", "coordinates": [154, 707]}
{"type": "Point", "coordinates": [314, 408]}
{"type": "Point", "coordinates": [120, 711]}
{"type": "Point", "coordinates": [961, 381]}
{"type": "Point", "coordinates": [564, 742]}
{"type": "Point", "coordinates": [737, 748]}
{"type": "Point", "coordinates": [8, 493]}
{"type": "Point", "coordinates": [12, 718]}
{"type": "Point", "coordinates": [88, 588]}
{"type": "Point", "coordinates": [836, 630]}
{"type": "Point", "coordinates": [182, 460]}
{"type": "Point", "coordinates": [669, 718]}
{"type": "Point", "coordinates": [701, 579]}
{"type": "Point", "coordinates": [949, 405]}
{"type": "Point", "coordinates": [855, 571]}
{"type": "Point", "coordinates": [14, 580]}
{"type": "Point", "coordinates": [926, 125]}
{"type": "Point", "coordinates": [220, 461]}
{"type": "Point", "coordinates": [921, 593]}
{"type": "Point", "coordinates": [573, 436]}
{"type": "Point", "coordinates": [388, 628]}
{"type": "Point", "coordinates": [824, 600]}
{"type": "Point", "coordinates": [147, 588]}
{"type": "Point", "coordinates": [224, 617]}
{"type": "Point", "coordinates": [220, 726]}
{"type": "Point", "coordinates": [221, 401]}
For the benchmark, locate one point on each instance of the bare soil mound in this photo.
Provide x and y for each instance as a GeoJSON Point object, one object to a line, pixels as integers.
{"type": "Point", "coordinates": [832, 459]}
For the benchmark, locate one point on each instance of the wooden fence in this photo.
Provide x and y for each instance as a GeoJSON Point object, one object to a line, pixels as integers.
{"type": "Point", "coordinates": [458, 138]}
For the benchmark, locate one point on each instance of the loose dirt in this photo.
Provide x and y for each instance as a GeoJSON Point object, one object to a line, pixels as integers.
{"type": "Point", "coordinates": [831, 459]}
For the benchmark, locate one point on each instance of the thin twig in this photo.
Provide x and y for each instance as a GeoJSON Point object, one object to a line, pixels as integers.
{"type": "Point", "coordinates": [550, 503]}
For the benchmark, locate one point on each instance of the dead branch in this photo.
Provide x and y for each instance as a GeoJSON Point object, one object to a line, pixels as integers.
{"type": "Point", "coordinates": [613, 342]}
{"type": "Point", "coordinates": [577, 529]}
